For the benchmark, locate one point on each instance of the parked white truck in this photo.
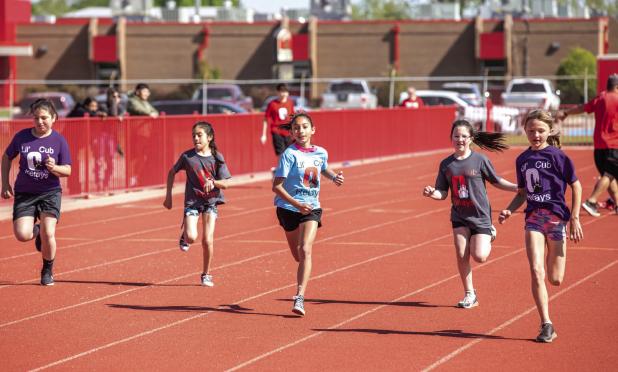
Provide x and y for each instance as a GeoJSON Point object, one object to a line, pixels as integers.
{"type": "Point", "coordinates": [531, 93]}
{"type": "Point", "coordinates": [345, 94]}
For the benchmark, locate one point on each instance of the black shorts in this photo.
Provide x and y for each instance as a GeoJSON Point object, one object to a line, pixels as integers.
{"type": "Point", "coordinates": [290, 220]}
{"type": "Point", "coordinates": [280, 143]}
{"type": "Point", "coordinates": [473, 229]}
{"type": "Point", "coordinates": [32, 205]}
{"type": "Point", "coordinates": [606, 161]}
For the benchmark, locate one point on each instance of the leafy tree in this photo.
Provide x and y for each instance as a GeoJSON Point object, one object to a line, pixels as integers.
{"type": "Point", "coordinates": [580, 62]}
{"type": "Point", "coordinates": [50, 7]}
{"type": "Point", "coordinates": [381, 9]}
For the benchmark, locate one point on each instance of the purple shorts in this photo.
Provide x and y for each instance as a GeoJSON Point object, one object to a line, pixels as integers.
{"type": "Point", "coordinates": [546, 223]}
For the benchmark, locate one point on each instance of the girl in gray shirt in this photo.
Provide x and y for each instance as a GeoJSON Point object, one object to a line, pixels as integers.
{"type": "Point", "coordinates": [464, 173]}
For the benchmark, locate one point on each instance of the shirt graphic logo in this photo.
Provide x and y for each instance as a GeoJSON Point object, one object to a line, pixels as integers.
{"type": "Point", "coordinates": [283, 113]}
{"type": "Point", "coordinates": [310, 178]}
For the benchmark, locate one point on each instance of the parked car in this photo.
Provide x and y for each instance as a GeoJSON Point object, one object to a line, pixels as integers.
{"type": "Point", "coordinates": [469, 91]}
{"type": "Point", "coordinates": [531, 93]}
{"type": "Point", "coordinates": [505, 118]}
{"type": "Point", "coordinates": [344, 94]}
{"type": "Point", "coordinates": [188, 107]}
{"type": "Point", "coordinates": [225, 92]}
{"type": "Point", "coordinates": [300, 103]}
{"type": "Point", "coordinates": [63, 102]}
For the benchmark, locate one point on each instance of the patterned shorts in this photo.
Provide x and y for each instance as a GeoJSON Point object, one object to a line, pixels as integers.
{"type": "Point", "coordinates": [200, 209]}
{"type": "Point", "coordinates": [547, 223]}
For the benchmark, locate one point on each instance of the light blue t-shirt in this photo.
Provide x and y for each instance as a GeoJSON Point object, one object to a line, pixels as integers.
{"type": "Point", "coordinates": [301, 169]}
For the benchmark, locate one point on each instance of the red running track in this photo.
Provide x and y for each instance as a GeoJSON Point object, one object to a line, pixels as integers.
{"type": "Point", "coordinates": [381, 297]}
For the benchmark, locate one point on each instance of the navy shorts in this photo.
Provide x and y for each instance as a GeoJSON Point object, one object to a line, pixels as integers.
{"type": "Point", "coordinates": [473, 229]}
{"type": "Point", "coordinates": [32, 205]}
{"type": "Point", "coordinates": [290, 220]}
{"type": "Point", "coordinates": [280, 143]}
{"type": "Point", "coordinates": [606, 161]}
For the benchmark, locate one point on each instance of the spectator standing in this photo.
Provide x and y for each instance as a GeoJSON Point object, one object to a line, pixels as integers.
{"type": "Point", "coordinates": [88, 107]}
{"type": "Point", "coordinates": [605, 137]}
{"type": "Point", "coordinates": [278, 112]}
{"type": "Point", "coordinates": [412, 101]}
{"type": "Point", "coordinates": [138, 102]}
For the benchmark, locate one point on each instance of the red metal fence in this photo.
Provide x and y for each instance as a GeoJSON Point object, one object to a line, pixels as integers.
{"type": "Point", "coordinates": [111, 154]}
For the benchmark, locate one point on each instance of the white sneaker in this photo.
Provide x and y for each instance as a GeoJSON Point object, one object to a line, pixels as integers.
{"type": "Point", "coordinates": [207, 280]}
{"type": "Point", "coordinates": [494, 233]}
{"type": "Point", "coordinates": [299, 305]}
{"type": "Point", "coordinates": [182, 244]}
{"type": "Point", "coordinates": [469, 301]}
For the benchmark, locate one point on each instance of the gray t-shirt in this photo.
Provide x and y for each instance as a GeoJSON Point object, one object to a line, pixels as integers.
{"type": "Point", "coordinates": [200, 168]}
{"type": "Point", "coordinates": [466, 180]}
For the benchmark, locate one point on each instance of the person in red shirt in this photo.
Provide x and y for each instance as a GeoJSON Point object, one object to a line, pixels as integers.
{"type": "Point", "coordinates": [412, 101]}
{"type": "Point", "coordinates": [278, 112]}
{"type": "Point", "coordinates": [605, 108]}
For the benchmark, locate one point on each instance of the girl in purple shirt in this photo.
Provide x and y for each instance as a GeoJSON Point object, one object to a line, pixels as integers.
{"type": "Point", "coordinates": [44, 158]}
{"type": "Point", "coordinates": [543, 172]}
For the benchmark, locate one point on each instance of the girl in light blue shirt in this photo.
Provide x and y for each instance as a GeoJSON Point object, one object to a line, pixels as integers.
{"type": "Point", "coordinates": [297, 189]}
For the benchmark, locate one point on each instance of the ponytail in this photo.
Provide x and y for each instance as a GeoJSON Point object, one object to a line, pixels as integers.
{"type": "Point", "coordinates": [208, 129]}
{"type": "Point", "coordinates": [484, 140]}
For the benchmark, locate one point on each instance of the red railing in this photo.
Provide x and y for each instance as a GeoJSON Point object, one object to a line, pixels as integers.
{"type": "Point", "coordinates": [110, 154]}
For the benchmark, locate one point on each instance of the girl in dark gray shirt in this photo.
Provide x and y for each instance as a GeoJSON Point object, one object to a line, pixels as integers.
{"type": "Point", "coordinates": [464, 173]}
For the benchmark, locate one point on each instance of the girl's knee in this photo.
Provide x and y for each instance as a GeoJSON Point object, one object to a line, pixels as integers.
{"type": "Point", "coordinates": [480, 258]}
{"type": "Point", "coordinates": [556, 279]}
{"type": "Point", "coordinates": [190, 238]}
{"type": "Point", "coordinates": [538, 273]}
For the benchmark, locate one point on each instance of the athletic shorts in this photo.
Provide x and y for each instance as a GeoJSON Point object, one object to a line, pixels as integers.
{"type": "Point", "coordinates": [606, 161]}
{"type": "Point", "coordinates": [32, 205]}
{"type": "Point", "coordinates": [474, 230]}
{"type": "Point", "coordinates": [290, 220]}
{"type": "Point", "coordinates": [196, 210]}
{"type": "Point", "coordinates": [280, 143]}
{"type": "Point", "coordinates": [547, 223]}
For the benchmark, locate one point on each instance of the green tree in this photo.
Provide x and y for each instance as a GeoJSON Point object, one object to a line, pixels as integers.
{"type": "Point", "coordinates": [50, 7]}
{"type": "Point", "coordinates": [578, 62]}
{"type": "Point", "coordinates": [381, 9]}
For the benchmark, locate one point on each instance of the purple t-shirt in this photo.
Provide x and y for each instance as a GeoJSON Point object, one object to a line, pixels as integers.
{"type": "Point", "coordinates": [544, 174]}
{"type": "Point", "coordinates": [33, 176]}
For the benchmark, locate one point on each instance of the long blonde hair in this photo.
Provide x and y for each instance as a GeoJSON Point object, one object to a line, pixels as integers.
{"type": "Point", "coordinates": [547, 118]}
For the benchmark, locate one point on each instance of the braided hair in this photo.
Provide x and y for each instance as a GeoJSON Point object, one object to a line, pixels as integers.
{"type": "Point", "coordinates": [207, 127]}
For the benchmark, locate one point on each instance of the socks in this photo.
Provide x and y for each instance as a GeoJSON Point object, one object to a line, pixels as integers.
{"type": "Point", "coordinates": [48, 264]}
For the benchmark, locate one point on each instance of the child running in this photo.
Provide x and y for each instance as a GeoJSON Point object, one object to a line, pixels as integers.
{"type": "Point", "coordinates": [44, 158]}
{"type": "Point", "coordinates": [207, 175]}
{"type": "Point", "coordinates": [543, 171]}
{"type": "Point", "coordinates": [297, 189]}
{"type": "Point", "coordinates": [464, 173]}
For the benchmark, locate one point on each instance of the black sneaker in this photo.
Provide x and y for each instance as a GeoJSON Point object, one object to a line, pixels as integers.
{"type": "Point", "coordinates": [591, 208]}
{"type": "Point", "coordinates": [47, 278]}
{"type": "Point", "coordinates": [37, 236]}
{"type": "Point", "coordinates": [547, 334]}
{"type": "Point", "coordinates": [182, 244]}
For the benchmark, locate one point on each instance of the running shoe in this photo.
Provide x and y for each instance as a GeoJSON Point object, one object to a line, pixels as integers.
{"type": "Point", "coordinates": [591, 208]}
{"type": "Point", "coordinates": [37, 236]}
{"type": "Point", "coordinates": [494, 233]}
{"type": "Point", "coordinates": [182, 244]}
{"type": "Point", "coordinates": [299, 305]}
{"type": "Point", "coordinates": [47, 278]}
{"type": "Point", "coordinates": [547, 333]}
{"type": "Point", "coordinates": [469, 301]}
{"type": "Point", "coordinates": [207, 280]}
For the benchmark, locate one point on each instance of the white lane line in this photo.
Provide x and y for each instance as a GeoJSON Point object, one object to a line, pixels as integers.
{"type": "Point", "coordinates": [173, 324]}
{"type": "Point", "coordinates": [460, 350]}
{"type": "Point", "coordinates": [376, 226]}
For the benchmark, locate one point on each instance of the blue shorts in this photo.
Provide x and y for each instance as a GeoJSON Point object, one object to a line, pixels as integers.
{"type": "Point", "coordinates": [202, 209]}
{"type": "Point", "coordinates": [547, 223]}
